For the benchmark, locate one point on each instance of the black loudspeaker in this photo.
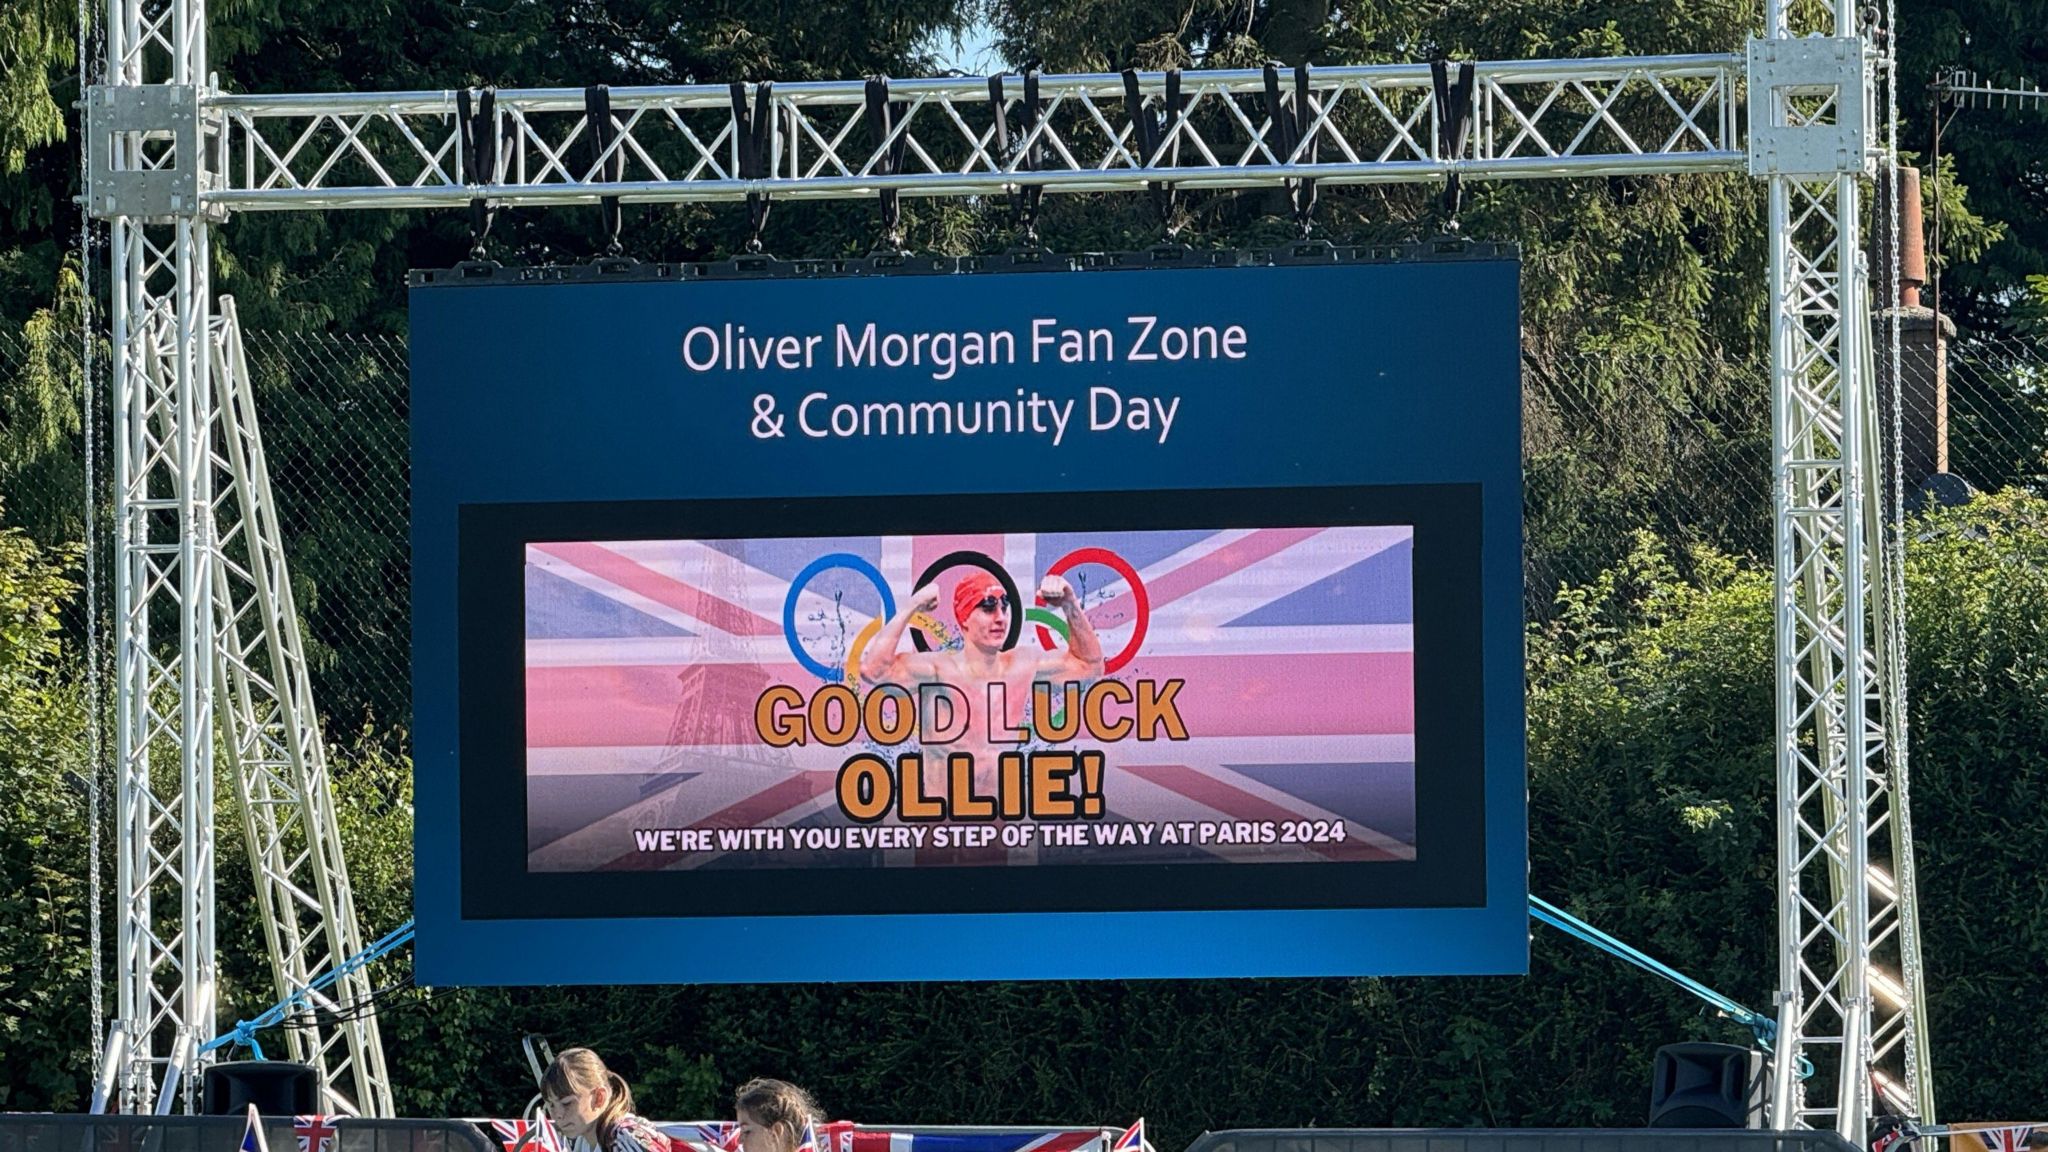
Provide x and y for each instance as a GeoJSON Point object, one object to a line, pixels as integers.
{"type": "Point", "coordinates": [1706, 1086]}
{"type": "Point", "coordinates": [275, 1087]}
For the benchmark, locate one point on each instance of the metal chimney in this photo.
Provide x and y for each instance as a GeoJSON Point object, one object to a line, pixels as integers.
{"type": "Point", "coordinates": [1922, 366]}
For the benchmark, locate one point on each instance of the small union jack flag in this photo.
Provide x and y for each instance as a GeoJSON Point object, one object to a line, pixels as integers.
{"type": "Point", "coordinates": [315, 1133]}
{"type": "Point", "coordinates": [704, 1135]}
{"type": "Point", "coordinates": [527, 1136]}
{"type": "Point", "coordinates": [1133, 1139]}
{"type": "Point", "coordinates": [2013, 1139]}
{"type": "Point", "coordinates": [809, 1143]}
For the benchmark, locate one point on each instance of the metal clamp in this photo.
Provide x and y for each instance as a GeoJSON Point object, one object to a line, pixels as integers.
{"type": "Point", "coordinates": [1810, 107]}
{"type": "Point", "coordinates": [147, 147]}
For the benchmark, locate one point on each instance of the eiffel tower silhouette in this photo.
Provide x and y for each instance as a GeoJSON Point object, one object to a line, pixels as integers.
{"type": "Point", "coordinates": [715, 708]}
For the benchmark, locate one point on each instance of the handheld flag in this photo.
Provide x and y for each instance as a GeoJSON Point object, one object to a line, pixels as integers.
{"type": "Point", "coordinates": [252, 1135]}
{"type": "Point", "coordinates": [810, 1141]}
{"type": "Point", "coordinates": [1133, 1139]}
{"type": "Point", "coordinates": [314, 1133]}
{"type": "Point", "coordinates": [527, 1136]}
{"type": "Point", "coordinates": [1996, 1137]}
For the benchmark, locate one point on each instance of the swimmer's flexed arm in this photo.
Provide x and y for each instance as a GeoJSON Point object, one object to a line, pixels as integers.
{"type": "Point", "coordinates": [881, 663]}
{"type": "Point", "coordinates": [1083, 658]}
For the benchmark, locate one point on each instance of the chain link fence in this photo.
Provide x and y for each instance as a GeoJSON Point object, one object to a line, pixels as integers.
{"type": "Point", "coordinates": [1611, 444]}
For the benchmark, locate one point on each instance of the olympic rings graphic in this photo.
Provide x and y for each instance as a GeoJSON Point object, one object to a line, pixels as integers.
{"type": "Point", "coordinates": [830, 560]}
{"type": "Point", "coordinates": [1047, 622]}
{"type": "Point", "coordinates": [973, 560]}
{"type": "Point", "coordinates": [1143, 602]}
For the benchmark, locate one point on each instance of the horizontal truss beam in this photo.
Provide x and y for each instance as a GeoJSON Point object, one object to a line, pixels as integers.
{"type": "Point", "coordinates": [1363, 125]}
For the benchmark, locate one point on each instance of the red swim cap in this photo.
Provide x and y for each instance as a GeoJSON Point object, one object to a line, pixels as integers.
{"type": "Point", "coordinates": [972, 590]}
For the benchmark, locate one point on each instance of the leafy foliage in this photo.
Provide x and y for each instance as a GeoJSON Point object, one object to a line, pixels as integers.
{"type": "Point", "coordinates": [1977, 633]}
{"type": "Point", "coordinates": [44, 910]}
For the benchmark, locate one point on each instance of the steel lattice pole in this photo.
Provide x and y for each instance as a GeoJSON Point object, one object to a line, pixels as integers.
{"type": "Point", "coordinates": [164, 556]}
{"type": "Point", "coordinates": [1835, 787]}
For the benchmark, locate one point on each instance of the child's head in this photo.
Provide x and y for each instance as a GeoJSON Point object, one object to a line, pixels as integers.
{"type": "Point", "coordinates": [772, 1115]}
{"type": "Point", "coordinates": [584, 1097]}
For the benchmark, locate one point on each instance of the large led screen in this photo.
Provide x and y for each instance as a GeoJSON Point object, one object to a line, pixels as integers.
{"type": "Point", "coordinates": [983, 626]}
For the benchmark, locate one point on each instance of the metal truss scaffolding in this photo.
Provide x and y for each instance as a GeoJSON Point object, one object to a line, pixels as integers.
{"type": "Point", "coordinates": [278, 763]}
{"type": "Point", "coordinates": [170, 157]}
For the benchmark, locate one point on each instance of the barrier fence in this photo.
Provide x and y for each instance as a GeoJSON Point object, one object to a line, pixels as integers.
{"type": "Point", "coordinates": [48, 1133]}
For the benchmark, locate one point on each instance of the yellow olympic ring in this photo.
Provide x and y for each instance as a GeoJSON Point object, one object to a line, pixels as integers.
{"type": "Point", "coordinates": [938, 632]}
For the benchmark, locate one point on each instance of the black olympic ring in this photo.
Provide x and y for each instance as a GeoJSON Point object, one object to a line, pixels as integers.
{"type": "Point", "coordinates": [981, 561]}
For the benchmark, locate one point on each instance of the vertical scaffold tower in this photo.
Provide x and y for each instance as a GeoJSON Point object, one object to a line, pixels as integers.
{"type": "Point", "coordinates": [170, 156]}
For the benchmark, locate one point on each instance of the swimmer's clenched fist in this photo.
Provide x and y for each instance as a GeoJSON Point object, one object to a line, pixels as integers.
{"type": "Point", "coordinates": [1055, 590]}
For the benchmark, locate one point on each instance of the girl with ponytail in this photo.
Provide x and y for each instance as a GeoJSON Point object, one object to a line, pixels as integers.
{"type": "Point", "coordinates": [773, 1116]}
{"type": "Point", "coordinates": [593, 1108]}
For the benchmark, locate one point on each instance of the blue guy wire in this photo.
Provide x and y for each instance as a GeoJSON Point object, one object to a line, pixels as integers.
{"type": "Point", "coordinates": [1760, 1026]}
{"type": "Point", "coordinates": [244, 1031]}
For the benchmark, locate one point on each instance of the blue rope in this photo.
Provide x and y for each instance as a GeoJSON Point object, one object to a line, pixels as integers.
{"type": "Point", "coordinates": [244, 1031]}
{"type": "Point", "coordinates": [1760, 1026]}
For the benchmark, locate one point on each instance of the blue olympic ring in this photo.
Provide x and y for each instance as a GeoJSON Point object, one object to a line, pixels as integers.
{"type": "Point", "coordinates": [823, 563]}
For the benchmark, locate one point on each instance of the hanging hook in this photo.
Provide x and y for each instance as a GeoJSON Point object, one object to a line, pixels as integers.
{"type": "Point", "coordinates": [884, 118]}
{"type": "Point", "coordinates": [1454, 107]}
{"type": "Point", "coordinates": [608, 161]}
{"type": "Point", "coordinates": [477, 112]}
{"type": "Point", "coordinates": [1291, 118]}
{"type": "Point", "coordinates": [1029, 149]}
{"type": "Point", "coordinates": [757, 160]}
{"type": "Point", "coordinates": [1158, 137]}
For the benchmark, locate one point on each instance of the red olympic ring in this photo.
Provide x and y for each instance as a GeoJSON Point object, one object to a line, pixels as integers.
{"type": "Point", "coordinates": [1122, 568]}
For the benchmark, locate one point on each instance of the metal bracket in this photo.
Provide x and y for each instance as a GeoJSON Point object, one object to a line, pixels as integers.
{"type": "Point", "coordinates": [147, 152]}
{"type": "Point", "coordinates": [1809, 107]}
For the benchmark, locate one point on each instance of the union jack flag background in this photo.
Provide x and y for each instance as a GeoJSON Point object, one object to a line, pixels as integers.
{"type": "Point", "coordinates": [645, 659]}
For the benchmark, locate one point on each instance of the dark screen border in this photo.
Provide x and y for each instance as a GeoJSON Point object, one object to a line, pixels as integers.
{"type": "Point", "coordinates": [1449, 868]}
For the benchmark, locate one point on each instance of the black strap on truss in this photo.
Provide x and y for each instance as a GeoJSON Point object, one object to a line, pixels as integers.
{"type": "Point", "coordinates": [1029, 150]}
{"type": "Point", "coordinates": [478, 114]}
{"type": "Point", "coordinates": [1292, 121]}
{"type": "Point", "coordinates": [884, 117]}
{"type": "Point", "coordinates": [751, 141]}
{"type": "Point", "coordinates": [1455, 102]}
{"type": "Point", "coordinates": [1158, 138]}
{"type": "Point", "coordinates": [608, 160]}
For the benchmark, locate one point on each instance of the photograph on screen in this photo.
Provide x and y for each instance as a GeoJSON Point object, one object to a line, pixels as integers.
{"type": "Point", "coordinates": [1229, 695]}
